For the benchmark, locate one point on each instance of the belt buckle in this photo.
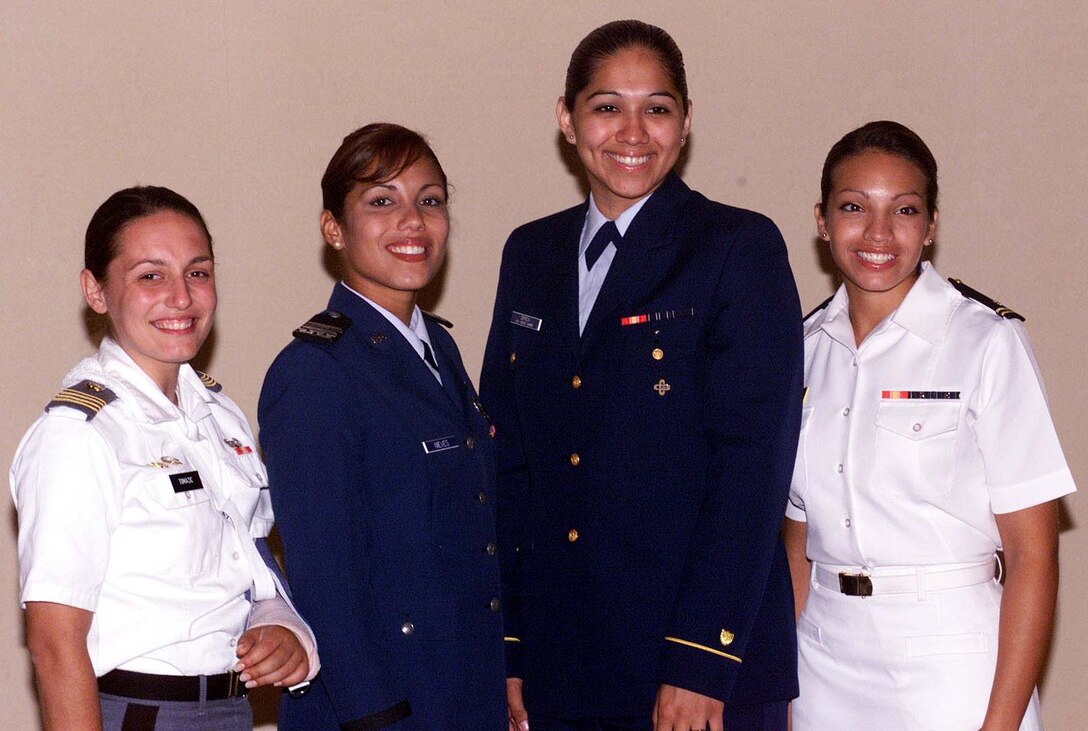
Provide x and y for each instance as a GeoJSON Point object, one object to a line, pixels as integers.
{"type": "Point", "coordinates": [855, 584]}
{"type": "Point", "coordinates": [235, 687]}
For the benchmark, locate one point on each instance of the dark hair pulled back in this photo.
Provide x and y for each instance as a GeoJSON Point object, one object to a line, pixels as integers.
{"type": "Point", "coordinates": [614, 37]}
{"type": "Point", "coordinates": [375, 153]}
{"type": "Point", "coordinates": [102, 240]}
{"type": "Point", "coordinates": [888, 137]}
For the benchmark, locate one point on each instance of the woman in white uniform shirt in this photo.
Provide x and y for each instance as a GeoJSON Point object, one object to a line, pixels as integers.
{"type": "Point", "coordinates": [926, 447]}
{"type": "Point", "coordinates": [139, 494]}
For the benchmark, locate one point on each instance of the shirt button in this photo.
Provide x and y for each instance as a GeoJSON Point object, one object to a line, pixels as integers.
{"type": "Point", "coordinates": [845, 522]}
{"type": "Point", "coordinates": [917, 427]}
{"type": "Point", "coordinates": [846, 411]}
{"type": "Point", "coordinates": [481, 497]}
{"type": "Point", "coordinates": [490, 548]}
{"type": "Point", "coordinates": [572, 535]}
{"type": "Point", "coordinates": [407, 628]}
{"type": "Point", "coordinates": [513, 358]}
{"type": "Point", "coordinates": [233, 643]}
{"type": "Point", "coordinates": [470, 442]}
{"type": "Point", "coordinates": [576, 381]}
{"type": "Point", "coordinates": [234, 555]}
{"type": "Point", "coordinates": [495, 605]}
{"type": "Point", "coordinates": [657, 353]}
{"type": "Point", "coordinates": [853, 363]}
{"type": "Point", "coordinates": [838, 468]}
{"type": "Point", "coordinates": [575, 459]}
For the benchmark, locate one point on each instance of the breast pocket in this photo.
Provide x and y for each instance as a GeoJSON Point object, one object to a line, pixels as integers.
{"type": "Point", "coordinates": [180, 528]}
{"type": "Point", "coordinates": [916, 446]}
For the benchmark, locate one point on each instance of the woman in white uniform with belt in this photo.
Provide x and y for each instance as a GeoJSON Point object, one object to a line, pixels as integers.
{"type": "Point", "coordinates": [926, 447]}
{"type": "Point", "coordinates": [140, 493]}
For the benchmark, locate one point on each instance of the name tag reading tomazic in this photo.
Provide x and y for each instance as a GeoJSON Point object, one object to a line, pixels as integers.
{"type": "Point", "coordinates": [186, 481]}
{"type": "Point", "coordinates": [440, 445]}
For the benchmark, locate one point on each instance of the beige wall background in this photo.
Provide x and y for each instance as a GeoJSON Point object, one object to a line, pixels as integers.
{"type": "Point", "coordinates": [239, 105]}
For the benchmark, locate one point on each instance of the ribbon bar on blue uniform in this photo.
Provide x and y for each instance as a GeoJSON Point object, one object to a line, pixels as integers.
{"type": "Point", "coordinates": [657, 316]}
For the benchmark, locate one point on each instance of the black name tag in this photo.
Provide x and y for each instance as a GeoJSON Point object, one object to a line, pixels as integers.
{"type": "Point", "coordinates": [186, 481]}
{"type": "Point", "coordinates": [440, 445]}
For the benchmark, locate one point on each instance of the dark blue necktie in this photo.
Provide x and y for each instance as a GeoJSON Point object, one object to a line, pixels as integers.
{"type": "Point", "coordinates": [606, 234]}
{"type": "Point", "coordinates": [428, 355]}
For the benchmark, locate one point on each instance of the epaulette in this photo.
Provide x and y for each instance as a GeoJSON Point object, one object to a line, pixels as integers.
{"type": "Point", "coordinates": [819, 307]}
{"type": "Point", "coordinates": [994, 305]}
{"type": "Point", "coordinates": [440, 320]}
{"type": "Point", "coordinates": [324, 327]}
{"type": "Point", "coordinates": [209, 383]}
{"type": "Point", "coordinates": [86, 396]}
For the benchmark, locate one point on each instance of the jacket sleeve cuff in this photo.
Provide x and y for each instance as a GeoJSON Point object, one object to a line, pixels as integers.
{"type": "Point", "coordinates": [700, 668]}
{"type": "Point", "coordinates": [379, 720]}
{"type": "Point", "coordinates": [512, 647]}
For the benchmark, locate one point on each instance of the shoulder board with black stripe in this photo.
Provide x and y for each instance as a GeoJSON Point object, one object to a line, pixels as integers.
{"type": "Point", "coordinates": [440, 320]}
{"type": "Point", "coordinates": [324, 327]}
{"type": "Point", "coordinates": [819, 307]}
{"type": "Point", "coordinates": [994, 305]}
{"type": "Point", "coordinates": [209, 383]}
{"type": "Point", "coordinates": [86, 396]}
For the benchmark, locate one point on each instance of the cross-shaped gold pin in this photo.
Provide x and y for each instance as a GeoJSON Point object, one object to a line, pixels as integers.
{"type": "Point", "coordinates": [662, 388]}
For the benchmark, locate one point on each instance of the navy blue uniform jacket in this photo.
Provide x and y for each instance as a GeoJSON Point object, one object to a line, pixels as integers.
{"type": "Point", "coordinates": [383, 484]}
{"type": "Point", "coordinates": [644, 467]}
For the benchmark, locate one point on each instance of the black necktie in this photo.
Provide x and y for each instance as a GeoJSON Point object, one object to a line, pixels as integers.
{"type": "Point", "coordinates": [606, 234]}
{"type": "Point", "coordinates": [428, 356]}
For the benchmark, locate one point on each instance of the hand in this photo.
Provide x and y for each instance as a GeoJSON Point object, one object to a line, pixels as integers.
{"type": "Point", "coordinates": [519, 717]}
{"type": "Point", "coordinates": [271, 655]}
{"type": "Point", "coordinates": [677, 709]}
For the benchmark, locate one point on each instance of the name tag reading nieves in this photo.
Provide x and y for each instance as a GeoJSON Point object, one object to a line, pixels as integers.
{"type": "Point", "coordinates": [441, 444]}
{"type": "Point", "coordinates": [186, 481]}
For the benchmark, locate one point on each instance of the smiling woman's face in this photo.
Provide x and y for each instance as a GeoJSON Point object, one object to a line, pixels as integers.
{"type": "Point", "coordinates": [878, 224]}
{"type": "Point", "coordinates": [628, 126]}
{"type": "Point", "coordinates": [392, 236]}
{"type": "Point", "coordinates": [159, 294]}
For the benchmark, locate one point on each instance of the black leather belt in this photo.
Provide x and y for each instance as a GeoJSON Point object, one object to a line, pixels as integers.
{"type": "Point", "coordinates": [145, 686]}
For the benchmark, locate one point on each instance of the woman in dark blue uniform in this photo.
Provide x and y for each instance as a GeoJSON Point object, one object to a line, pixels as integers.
{"type": "Point", "coordinates": [381, 466]}
{"type": "Point", "coordinates": [644, 372]}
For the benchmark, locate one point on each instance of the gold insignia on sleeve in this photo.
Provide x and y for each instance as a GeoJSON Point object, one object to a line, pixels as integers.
{"type": "Point", "coordinates": [726, 638]}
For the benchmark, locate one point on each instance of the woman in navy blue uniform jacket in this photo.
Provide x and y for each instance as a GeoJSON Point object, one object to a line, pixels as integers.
{"type": "Point", "coordinates": [643, 370]}
{"type": "Point", "coordinates": [381, 466]}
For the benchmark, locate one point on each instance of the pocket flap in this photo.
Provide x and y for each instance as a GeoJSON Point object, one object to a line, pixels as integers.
{"type": "Point", "coordinates": [919, 419]}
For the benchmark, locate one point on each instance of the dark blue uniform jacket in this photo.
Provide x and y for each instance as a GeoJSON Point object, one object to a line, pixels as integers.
{"type": "Point", "coordinates": [382, 481]}
{"type": "Point", "coordinates": [644, 467]}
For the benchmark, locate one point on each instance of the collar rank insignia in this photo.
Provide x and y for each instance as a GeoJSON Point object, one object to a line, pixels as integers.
{"type": "Point", "coordinates": [209, 383]}
{"type": "Point", "coordinates": [86, 396]}
{"type": "Point", "coordinates": [994, 305]}
{"type": "Point", "coordinates": [324, 327]}
{"type": "Point", "coordinates": [165, 462]}
{"type": "Point", "coordinates": [238, 447]}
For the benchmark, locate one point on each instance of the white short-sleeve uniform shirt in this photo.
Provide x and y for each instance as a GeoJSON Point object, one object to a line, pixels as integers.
{"type": "Point", "coordinates": [144, 514]}
{"type": "Point", "coordinates": [909, 445]}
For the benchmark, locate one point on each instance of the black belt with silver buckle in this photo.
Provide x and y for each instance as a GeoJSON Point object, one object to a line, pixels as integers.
{"type": "Point", "coordinates": [855, 585]}
{"type": "Point", "coordinates": [185, 688]}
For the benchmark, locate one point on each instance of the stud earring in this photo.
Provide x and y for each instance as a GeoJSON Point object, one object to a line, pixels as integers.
{"type": "Point", "coordinates": [823, 235]}
{"type": "Point", "coordinates": [929, 243]}
{"type": "Point", "coordinates": [570, 138]}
